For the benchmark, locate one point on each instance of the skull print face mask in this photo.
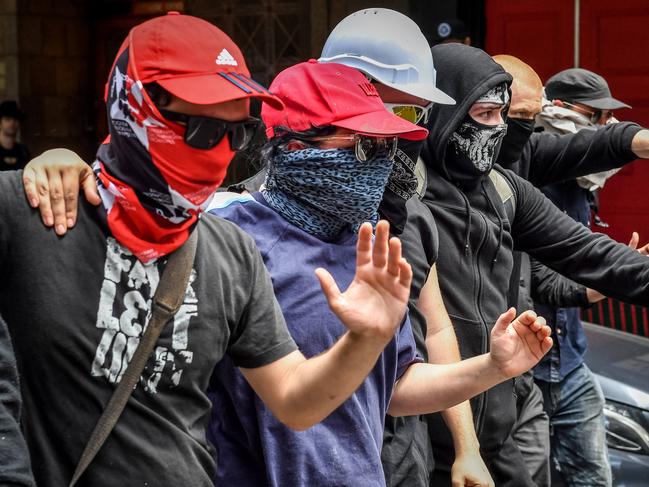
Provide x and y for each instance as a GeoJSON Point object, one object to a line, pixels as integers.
{"type": "Point", "coordinates": [473, 147]}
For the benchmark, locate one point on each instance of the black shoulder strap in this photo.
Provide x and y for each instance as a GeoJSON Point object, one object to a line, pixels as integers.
{"type": "Point", "coordinates": [167, 299]}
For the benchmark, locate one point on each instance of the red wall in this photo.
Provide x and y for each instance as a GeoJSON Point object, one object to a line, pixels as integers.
{"type": "Point", "coordinates": [614, 42]}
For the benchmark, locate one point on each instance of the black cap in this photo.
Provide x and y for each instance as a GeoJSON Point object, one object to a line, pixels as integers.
{"type": "Point", "coordinates": [10, 108]}
{"type": "Point", "coordinates": [450, 29]}
{"type": "Point", "coordinates": [578, 85]}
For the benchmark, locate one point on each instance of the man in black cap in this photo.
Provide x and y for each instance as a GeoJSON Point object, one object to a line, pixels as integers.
{"type": "Point", "coordinates": [451, 30]}
{"type": "Point", "coordinates": [13, 155]}
{"type": "Point", "coordinates": [584, 92]}
{"type": "Point", "coordinates": [577, 99]}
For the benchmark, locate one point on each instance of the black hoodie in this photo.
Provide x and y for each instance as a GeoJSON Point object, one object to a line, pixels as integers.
{"type": "Point", "coordinates": [476, 244]}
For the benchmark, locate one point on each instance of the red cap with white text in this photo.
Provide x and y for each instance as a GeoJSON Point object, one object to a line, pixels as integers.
{"type": "Point", "coordinates": [322, 94]}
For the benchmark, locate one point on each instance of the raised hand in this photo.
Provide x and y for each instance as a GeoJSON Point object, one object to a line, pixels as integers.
{"type": "Point", "coordinates": [52, 182]}
{"type": "Point", "coordinates": [374, 304]}
{"type": "Point", "coordinates": [518, 345]}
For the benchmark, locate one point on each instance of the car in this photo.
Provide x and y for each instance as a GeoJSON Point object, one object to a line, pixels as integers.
{"type": "Point", "coordinates": [620, 362]}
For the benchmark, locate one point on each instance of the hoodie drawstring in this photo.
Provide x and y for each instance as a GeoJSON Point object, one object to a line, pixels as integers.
{"type": "Point", "coordinates": [500, 224]}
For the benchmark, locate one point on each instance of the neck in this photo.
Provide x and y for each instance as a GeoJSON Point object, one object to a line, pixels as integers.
{"type": "Point", "coordinates": [7, 141]}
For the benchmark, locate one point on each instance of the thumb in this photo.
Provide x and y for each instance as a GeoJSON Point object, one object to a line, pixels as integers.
{"type": "Point", "coordinates": [89, 187]}
{"type": "Point", "coordinates": [504, 320]}
{"type": "Point", "coordinates": [328, 285]}
{"type": "Point", "coordinates": [635, 238]}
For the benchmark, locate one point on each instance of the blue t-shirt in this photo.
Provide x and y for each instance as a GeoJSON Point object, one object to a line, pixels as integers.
{"type": "Point", "coordinates": [255, 449]}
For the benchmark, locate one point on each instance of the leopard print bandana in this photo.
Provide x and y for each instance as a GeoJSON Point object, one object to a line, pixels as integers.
{"type": "Point", "coordinates": [322, 191]}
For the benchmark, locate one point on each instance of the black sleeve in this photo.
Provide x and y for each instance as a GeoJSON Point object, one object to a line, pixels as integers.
{"type": "Point", "coordinates": [15, 469]}
{"type": "Point", "coordinates": [568, 247]}
{"type": "Point", "coordinates": [553, 157]}
{"type": "Point", "coordinates": [552, 289]}
{"type": "Point", "coordinates": [261, 336]}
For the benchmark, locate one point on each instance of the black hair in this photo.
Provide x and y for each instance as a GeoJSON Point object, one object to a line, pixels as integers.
{"type": "Point", "coordinates": [284, 135]}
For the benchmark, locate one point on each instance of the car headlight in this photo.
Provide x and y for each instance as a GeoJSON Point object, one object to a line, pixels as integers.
{"type": "Point", "coordinates": [627, 428]}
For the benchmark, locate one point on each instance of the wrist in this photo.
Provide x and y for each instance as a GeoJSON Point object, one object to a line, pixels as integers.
{"type": "Point", "coordinates": [497, 369]}
{"type": "Point", "coordinates": [363, 342]}
{"type": "Point", "coordinates": [467, 447]}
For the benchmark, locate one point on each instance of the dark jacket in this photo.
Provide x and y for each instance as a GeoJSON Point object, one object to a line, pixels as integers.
{"type": "Point", "coordinates": [477, 241]}
{"type": "Point", "coordinates": [549, 158]}
{"type": "Point", "coordinates": [15, 468]}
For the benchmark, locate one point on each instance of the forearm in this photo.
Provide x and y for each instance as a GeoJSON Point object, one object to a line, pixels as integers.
{"type": "Point", "coordinates": [552, 289]}
{"type": "Point", "coordinates": [428, 388]}
{"type": "Point", "coordinates": [561, 157]}
{"type": "Point", "coordinates": [311, 389]}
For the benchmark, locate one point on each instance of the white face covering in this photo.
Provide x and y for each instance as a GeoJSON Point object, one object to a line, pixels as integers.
{"type": "Point", "coordinates": [559, 120]}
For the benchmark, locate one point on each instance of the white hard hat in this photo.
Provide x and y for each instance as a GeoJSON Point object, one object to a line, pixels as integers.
{"type": "Point", "coordinates": [390, 48]}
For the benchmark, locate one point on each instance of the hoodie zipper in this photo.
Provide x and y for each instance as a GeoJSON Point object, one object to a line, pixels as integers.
{"type": "Point", "coordinates": [482, 404]}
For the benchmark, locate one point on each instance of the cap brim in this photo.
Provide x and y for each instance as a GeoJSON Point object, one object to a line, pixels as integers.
{"type": "Point", "coordinates": [213, 88]}
{"type": "Point", "coordinates": [607, 103]}
{"type": "Point", "coordinates": [382, 124]}
{"type": "Point", "coordinates": [427, 91]}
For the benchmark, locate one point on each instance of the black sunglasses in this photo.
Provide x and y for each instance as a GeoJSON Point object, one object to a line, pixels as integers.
{"type": "Point", "coordinates": [206, 132]}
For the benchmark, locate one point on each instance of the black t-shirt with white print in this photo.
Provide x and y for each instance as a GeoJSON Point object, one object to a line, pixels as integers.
{"type": "Point", "coordinates": [76, 307]}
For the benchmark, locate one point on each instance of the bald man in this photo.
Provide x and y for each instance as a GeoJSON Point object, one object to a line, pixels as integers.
{"type": "Point", "coordinates": [543, 158]}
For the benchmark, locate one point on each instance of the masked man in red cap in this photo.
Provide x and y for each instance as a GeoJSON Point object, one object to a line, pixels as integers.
{"type": "Point", "coordinates": [77, 307]}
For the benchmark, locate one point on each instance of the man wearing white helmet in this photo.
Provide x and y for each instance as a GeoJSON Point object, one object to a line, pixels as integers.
{"type": "Point", "coordinates": [390, 49]}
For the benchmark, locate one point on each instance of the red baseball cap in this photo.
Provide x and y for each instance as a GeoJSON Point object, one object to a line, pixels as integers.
{"type": "Point", "coordinates": [194, 60]}
{"type": "Point", "coordinates": [322, 94]}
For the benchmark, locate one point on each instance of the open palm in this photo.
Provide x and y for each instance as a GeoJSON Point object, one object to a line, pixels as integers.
{"type": "Point", "coordinates": [374, 304]}
{"type": "Point", "coordinates": [518, 345]}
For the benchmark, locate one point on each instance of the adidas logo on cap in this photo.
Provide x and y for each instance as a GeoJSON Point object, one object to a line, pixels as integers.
{"type": "Point", "coordinates": [226, 58]}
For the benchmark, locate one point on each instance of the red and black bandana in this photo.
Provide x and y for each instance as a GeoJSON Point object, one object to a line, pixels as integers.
{"type": "Point", "coordinates": [152, 184]}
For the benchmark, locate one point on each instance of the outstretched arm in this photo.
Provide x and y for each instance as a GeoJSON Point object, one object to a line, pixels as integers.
{"type": "Point", "coordinates": [303, 392]}
{"type": "Point", "coordinates": [555, 157]}
{"type": "Point", "coordinates": [516, 346]}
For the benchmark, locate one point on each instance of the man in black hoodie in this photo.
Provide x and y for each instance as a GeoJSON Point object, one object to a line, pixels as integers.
{"type": "Point", "coordinates": [481, 216]}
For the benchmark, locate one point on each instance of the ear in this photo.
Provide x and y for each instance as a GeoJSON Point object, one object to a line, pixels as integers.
{"type": "Point", "coordinates": [467, 41]}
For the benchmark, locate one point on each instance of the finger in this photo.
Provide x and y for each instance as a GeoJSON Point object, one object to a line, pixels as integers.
{"type": "Point", "coordinates": [644, 250]}
{"type": "Point", "coordinates": [328, 285]}
{"type": "Point", "coordinates": [29, 182]}
{"type": "Point", "coordinates": [527, 318]}
{"type": "Point", "coordinates": [70, 181]}
{"type": "Point", "coordinates": [504, 320]}
{"type": "Point", "coordinates": [546, 345]}
{"type": "Point", "coordinates": [457, 481]}
{"type": "Point", "coordinates": [380, 251]}
{"type": "Point", "coordinates": [89, 186]}
{"type": "Point", "coordinates": [537, 324]}
{"type": "Point", "coordinates": [43, 192]}
{"type": "Point", "coordinates": [635, 238]}
{"type": "Point", "coordinates": [57, 201]}
{"type": "Point", "coordinates": [394, 257]}
{"type": "Point", "coordinates": [364, 245]}
{"type": "Point", "coordinates": [405, 273]}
